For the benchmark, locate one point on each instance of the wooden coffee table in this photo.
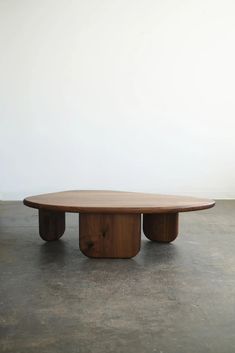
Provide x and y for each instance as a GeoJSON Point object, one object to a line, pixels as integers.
{"type": "Point", "coordinates": [110, 221]}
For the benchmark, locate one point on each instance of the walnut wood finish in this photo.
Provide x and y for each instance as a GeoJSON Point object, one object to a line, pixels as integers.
{"type": "Point", "coordinates": [161, 227]}
{"type": "Point", "coordinates": [110, 220]}
{"type": "Point", "coordinates": [109, 236]}
{"type": "Point", "coordinates": [51, 224]}
{"type": "Point", "coordinates": [116, 202]}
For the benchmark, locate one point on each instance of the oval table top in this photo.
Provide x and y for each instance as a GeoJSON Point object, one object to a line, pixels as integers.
{"type": "Point", "coordinates": [104, 201]}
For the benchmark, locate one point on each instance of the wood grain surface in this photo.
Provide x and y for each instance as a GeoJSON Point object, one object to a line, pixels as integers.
{"type": "Point", "coordinates": [51, 224]}
{"type": "Point", "coordinates": [109, 235]}
{"type": "Point", "coordinates": [93, 201]}
{"type": "Point", "coordinates": [161, 227]}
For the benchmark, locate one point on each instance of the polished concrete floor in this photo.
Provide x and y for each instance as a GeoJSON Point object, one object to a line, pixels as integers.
{"type": "Point", "coordinates": [176, 298]}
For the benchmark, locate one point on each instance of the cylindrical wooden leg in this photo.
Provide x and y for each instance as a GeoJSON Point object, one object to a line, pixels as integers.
{"type": "Point", "coordinates": [51, 224]}
{"type": "Point", "coordinates": [109, 235]}
{"type": "Point", "coordinates": [161, 227]}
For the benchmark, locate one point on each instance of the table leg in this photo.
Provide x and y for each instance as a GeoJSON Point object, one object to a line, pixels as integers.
{"type": "Point", "coordinates": [109, 235]}
{"type": "Point", "coordinates": [161, 227]}
{"type": "Point", "coordinates": [51, 224]}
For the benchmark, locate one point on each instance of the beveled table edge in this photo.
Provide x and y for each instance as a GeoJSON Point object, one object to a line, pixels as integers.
{"type": "Point", "coordinates": [209, 203]}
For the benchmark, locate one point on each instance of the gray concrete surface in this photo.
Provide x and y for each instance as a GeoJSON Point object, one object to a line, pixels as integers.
{"type": "Point", "coordinates": [177, 298]}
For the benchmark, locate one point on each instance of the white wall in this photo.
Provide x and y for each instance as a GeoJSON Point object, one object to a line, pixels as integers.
{"type": "Point", "coordinates": [117, 94]}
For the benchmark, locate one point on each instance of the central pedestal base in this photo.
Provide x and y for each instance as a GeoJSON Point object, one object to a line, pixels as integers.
{"type": "Point", "coordinates": [109, 235]}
